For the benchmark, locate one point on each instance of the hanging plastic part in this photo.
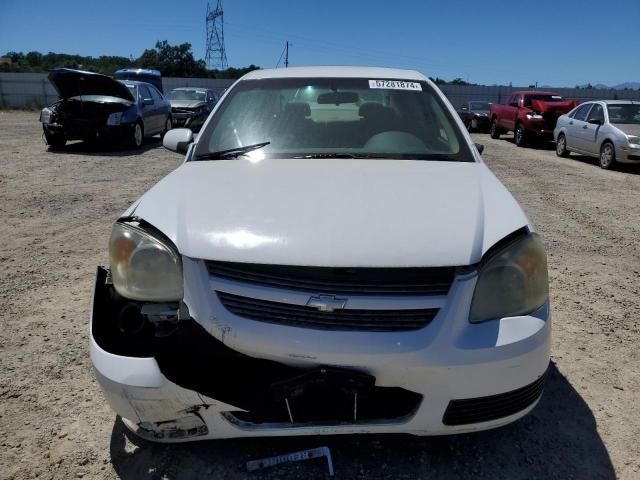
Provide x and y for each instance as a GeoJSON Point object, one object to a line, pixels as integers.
{"type": "Point", "coordinates": [254, 465]}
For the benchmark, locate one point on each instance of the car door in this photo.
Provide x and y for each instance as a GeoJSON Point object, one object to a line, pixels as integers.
{"type": "Point", "coordinates": [575, 134]}
{"type": "Point", "coordinates": [589, 132]}
{"type": "Point", "coordinates": [162, 107]}
{"type": "Point", "coordinates": [147, 111]}
{"type": "Point", "coordinates": [511, 112]}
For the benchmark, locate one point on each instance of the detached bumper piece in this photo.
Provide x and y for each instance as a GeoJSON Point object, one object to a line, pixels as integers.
{"type": "Point", "coordinates": [494, 407]}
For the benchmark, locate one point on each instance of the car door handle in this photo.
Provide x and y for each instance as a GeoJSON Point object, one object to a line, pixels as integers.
{"type": "Point", "coordinates": [571, 122]}
{"type": "Point", "coordinates": [585, 127]}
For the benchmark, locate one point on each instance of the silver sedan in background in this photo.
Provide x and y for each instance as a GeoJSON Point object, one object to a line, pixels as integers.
{"type": "Point", "coordinates": [608, 130]}
{"type": "Point", "coordinates": [190, 107]}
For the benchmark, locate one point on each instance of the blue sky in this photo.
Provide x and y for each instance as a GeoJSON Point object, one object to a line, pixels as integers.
{"type": "Point", "coordinates": [558, 43]}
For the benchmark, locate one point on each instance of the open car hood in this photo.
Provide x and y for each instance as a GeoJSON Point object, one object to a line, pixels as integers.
{"type": "Point", "coordinates": [558, 108]}
{"type": "Point", "coordinates": [74, 83]}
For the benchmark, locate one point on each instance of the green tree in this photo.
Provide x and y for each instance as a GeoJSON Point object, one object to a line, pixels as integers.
{"type": "Point", "coordinates": [172, 60]}
{"type": "Point", "coordinates": [458, 81]}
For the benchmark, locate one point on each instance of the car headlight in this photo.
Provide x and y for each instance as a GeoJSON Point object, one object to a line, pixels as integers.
{"type": "Point", "coordinates": [144, 266]}
{"type": "Point", "coordinates": [511, 282]}
{"type": "Point", "coordinates": [45, 115]}
{"type": "Point", "coordinates": [633, 139]}
{"type": "Point", "coordinates": [114, 118]}
{"type": "Point", "coordinates": [534, 116]}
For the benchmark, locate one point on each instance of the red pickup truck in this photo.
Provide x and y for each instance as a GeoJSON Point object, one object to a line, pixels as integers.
{"type": "Point", "coordinates": [529, 115]}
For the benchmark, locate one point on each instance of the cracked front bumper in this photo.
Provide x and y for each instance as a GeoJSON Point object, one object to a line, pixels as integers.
{"type": "Point", "coordinates": [206, 381]}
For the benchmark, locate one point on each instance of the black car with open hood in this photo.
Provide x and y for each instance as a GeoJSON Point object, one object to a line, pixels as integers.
{"type": "Point", "coordinates": [76, 83]}
{"type": "Point", "coordinates": [96, 107]}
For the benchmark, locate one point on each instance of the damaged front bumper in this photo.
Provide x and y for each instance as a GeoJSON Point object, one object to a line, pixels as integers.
{"type": "Point", "coordinates": [185, 378]}
{"type": "Point", "coordinates": [87, 131]}
{"type": "Point", "coordinates": [188, 119]}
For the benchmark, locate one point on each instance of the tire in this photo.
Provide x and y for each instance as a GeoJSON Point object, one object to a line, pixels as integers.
{"type": "Point", "coordinates": [607, 156]}
{"type": "Point", "coordinates": [137, 136]}
{"type": "Point", "coordinates": [168, 125]}
{"type": "Point", "coordinates": [494, 131]}
{"type": "Point", "coordinates": [561, 146]}
{"type": "Point", "coordinates": [55, 141]}
{"type": "Point", "coordinates": [520, 135]}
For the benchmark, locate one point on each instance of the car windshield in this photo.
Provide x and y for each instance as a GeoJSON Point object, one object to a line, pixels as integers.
{"type": "Point", "coordinates": [479, 105]}
{"type": "Point", "coordinates": [334, 118]}
{"type": "Point", "coordinates": [628, 113]}
{"type": "Point", "coordinates": [187, 95]}
{"type": "Point", "coordinates": [132, 89]}
{"type": "Point", "coordinates": [542, 97]}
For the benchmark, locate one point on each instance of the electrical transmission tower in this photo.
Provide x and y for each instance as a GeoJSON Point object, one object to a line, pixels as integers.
{"type": "Point", "coordinates": [215, 56]}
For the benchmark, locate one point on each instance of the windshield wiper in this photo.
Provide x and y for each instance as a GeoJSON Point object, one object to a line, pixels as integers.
{"type": "Point", "coordinates": [230, 153]}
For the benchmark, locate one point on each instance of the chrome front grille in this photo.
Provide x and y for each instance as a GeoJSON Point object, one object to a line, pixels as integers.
{"type": "Point", "coordinates": [343, 319]}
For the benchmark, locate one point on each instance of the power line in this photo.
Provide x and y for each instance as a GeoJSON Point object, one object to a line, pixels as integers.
{"type": "Point", "coordinates": [285, 53]}
{"type": "Point", "coordinates": [281, 55]}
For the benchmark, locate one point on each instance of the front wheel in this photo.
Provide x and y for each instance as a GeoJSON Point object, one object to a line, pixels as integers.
{"type": "Point", "coordinates": [494, 131]}
{"type": "Point", "coordinates": [168, 125]}
{"type": "Point", "coordinates": [520, 135]}
{"type": "Point", "coordinates": [55, 140]}
{"type": "Point", "coordinates": [607, 156]}
{"type": "Point", "coordinates": [561, 146]}
{"type": "Point", "coordinates": [137, 135]}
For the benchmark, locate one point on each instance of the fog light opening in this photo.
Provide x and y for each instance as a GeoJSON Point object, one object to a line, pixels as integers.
{"type": "Point", "coordinates": [130, 321]}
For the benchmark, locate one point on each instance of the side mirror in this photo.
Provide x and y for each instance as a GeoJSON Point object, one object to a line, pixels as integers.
{"type": "Point", "coordinates": [594, 121]}
{"type": "Point", "coordinates": [513, 104]}
{"type": "Point", "coordinates": [147, 101]}
{"type": "Point", "coordinates": [178, 140]}
{"type": "Point", "coordinates": [480, 147]}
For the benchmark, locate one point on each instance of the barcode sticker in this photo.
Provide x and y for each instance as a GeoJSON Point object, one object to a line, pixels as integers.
{"type": "Point", "coordinates": [395, 85]}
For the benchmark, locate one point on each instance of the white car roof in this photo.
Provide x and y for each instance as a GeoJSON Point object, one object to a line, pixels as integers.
{"type": "Point", "coordinates": [354, 72]}
{"type": "Point", "coordinates": [612, 102]}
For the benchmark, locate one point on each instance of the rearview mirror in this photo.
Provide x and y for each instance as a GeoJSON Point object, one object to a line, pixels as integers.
{"type": "Point", "coordinates": [178, 140]}
{"type": "Point", "coordinates": [336, 98]}
{"type": "Point", "coordinates": [594, 121]}
{"type": "Point", "coordinates": [480, 147]}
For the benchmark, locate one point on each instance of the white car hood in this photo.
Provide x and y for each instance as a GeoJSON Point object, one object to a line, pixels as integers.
{"type": "Point", "coordinates": [337, 212]}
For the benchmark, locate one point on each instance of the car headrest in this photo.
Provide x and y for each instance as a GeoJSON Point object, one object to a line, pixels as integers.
{"type": "Point", "coordinates": [372, 109]}
{"type": "Point", "coordinates": [297, 109]}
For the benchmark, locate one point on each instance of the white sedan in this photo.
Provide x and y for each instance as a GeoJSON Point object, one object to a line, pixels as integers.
{"type": "Point", "coordinates": [333, 256]}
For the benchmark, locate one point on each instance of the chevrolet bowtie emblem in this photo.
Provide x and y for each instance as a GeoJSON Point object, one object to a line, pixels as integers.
{"type": "Point", "coordinates": [327, 303]}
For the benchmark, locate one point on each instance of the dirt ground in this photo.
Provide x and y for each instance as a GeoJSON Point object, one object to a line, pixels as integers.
{"type": "Point", "coordinates": [57, 210]}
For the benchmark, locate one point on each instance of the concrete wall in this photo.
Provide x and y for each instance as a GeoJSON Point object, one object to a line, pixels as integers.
{"type": "Point", "coordinates": [20, 90]}
{"type": "Point", "coordinates": [459, 94]}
